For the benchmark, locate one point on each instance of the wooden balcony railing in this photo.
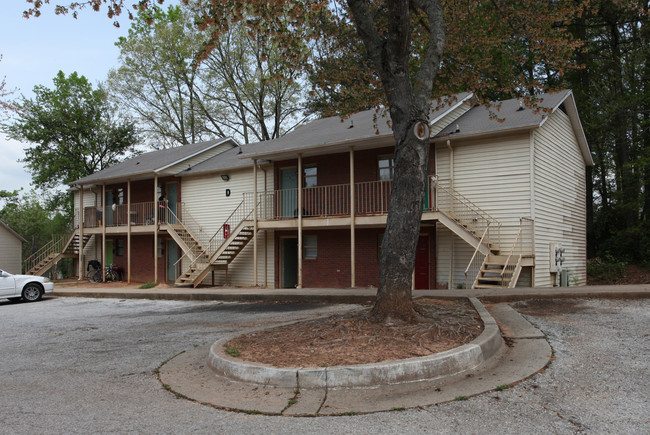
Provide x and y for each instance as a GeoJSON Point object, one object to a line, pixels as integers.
{"type": "Point", "coordinates": [140, 213]}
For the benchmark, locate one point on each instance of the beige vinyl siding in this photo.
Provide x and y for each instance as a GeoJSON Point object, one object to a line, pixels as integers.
{"type": "Point", "coordinates": [494, 174]}
{"type": "Point", "coordinates": [173, 170]}
{"type": "Point", "coordinates": [205, 199]}
{"type": "Point", "coordinates": [560, 199]}
{"type": "Point", "coordinates": [454, 251]}
{"type": "Point", "coordinates": [11, 249]}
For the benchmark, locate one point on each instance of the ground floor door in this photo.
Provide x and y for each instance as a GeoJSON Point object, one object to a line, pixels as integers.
{"type": "Point", "coordinates": [289, 193]}
{"type": "Point", "coordinates": [289, 267]}
{"type": "Point", "coordinates": [108, 255]}
{"type": "Point", "coordinates": [172, 258]}
{"type": "Point", "coordinates": [422, 264]}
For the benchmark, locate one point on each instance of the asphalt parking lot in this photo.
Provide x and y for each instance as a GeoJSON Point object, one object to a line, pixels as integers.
{"type": "Point", "coordinates": [77, 365]}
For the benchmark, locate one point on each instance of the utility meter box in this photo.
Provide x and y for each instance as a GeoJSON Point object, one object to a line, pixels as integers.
{"type": "Point", "coordinates": [557, 257]}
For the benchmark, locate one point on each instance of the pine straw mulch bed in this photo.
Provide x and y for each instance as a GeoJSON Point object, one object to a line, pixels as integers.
{"type": "Point", "coordinates": [352, 339]}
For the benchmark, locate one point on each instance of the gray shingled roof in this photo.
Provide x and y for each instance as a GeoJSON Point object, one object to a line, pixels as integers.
{"type": "Point", "coordinates": [335, 130]}
{"type": "Point", "coordinates": [228, 159]}
{"type": "Point", "coordinates": [509, 116]}
{"type": "Point", "coordinates": [149, 163]}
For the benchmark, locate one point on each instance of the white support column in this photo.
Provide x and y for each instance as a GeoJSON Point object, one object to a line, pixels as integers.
{"type": "Point", "coordinates": [155, 228]}
{"type": "Point", "coordinates": [103, 231]}
{"type": "Point", "coordinates": [81, 232]}
{"type": "Point", "coordinates": [255, 222]}
{"type": "Point", "coordinates": [352, 222]}
{"type": "Point", "coordinates": [128, 234]}
{"type": "Point", "coordinates": [299, 221]}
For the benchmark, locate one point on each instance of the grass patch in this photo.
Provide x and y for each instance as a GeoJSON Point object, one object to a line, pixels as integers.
{"type": "Point", "coordinates": [147, 285]}
{"type": "Point", "coordinates": [502, 387]}
{"type": "Point", "coordinates": [461, 398]}
{"type": "Point", "coordinates": [233, 351]}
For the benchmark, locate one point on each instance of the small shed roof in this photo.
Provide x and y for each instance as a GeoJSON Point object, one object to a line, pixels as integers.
{"type": "Point", "coordinates": [15, 234]}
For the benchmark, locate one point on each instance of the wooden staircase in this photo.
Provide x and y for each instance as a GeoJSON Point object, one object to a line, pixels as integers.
{"type": "Point", "coordinates": [221, 258]}
{"type": "Point", "coordinates": [65, 246]}
{"type": "Point", "coordinates": [498, 271]}
{"type": "Point", "coordinates": [189, 243]}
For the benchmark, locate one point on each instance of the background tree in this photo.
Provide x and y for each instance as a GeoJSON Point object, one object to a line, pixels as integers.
{"type": "Point", "coordinates": [6, 107]}
{"type": "Point", "coordinates": [73, 132]}
{"type": "Point", "coordinates": [238, 88]}
{"type": "Point", "coordinates": [613, 95]}
{"type": "Point", "coordinates": [28, 216]}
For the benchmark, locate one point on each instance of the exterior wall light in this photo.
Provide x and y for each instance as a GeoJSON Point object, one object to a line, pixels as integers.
{"type": "Point", "coordinates": [225, 177]}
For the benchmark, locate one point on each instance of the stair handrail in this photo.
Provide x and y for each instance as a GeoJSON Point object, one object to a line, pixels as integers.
{"type": "Point", "coordinates": [510, 254]}
{"type": "Point", "coordinates": [199, 242]}
{"type": "Point", "coordinates": [476, 251]}
{"type": "Point", "coordinates": [217, 240]}
{"type": "Point", "coordinates": [56, 244]}
{"type": "Point", "coordinates": [468, 205]}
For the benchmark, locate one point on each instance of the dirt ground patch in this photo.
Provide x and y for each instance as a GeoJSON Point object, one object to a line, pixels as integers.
{"type": "Point", "coordinates": [634, 274]}
{"type": "Point", "coordinates": [352, 339]}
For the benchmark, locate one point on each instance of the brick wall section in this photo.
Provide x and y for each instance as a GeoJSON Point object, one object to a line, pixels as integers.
{"type": "Point", "coordinates": [335, 168]}
{"type": "Point", "coordinates": [142, 265]}
{"type": "Point", "coordinates": [332, 267]}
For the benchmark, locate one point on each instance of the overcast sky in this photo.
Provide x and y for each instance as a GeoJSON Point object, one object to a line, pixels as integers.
{"type": "Point", "coordinates": [35, 49]}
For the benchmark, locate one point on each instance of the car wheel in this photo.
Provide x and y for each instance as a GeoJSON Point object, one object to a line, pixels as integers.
{"type": "Point", "coordinates": [32, 292]}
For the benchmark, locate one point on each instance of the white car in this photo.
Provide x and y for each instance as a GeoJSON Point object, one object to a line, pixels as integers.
{"type": "Point", "coordinates": [28, 287]}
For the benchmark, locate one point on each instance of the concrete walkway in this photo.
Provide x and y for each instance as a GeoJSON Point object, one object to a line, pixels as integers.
{"type": "Point", "coordinates": [329, 295]}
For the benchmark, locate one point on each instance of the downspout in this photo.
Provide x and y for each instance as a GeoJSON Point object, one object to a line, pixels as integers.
{"type": "Point", "coordinates": [255, 222]}
{"type": "Point", "coordinates": [128, 240]}
{"type": "Point", "coordinates": [352, 222]}
{"type": "Point", "coordinates": [299, 221]}
{"type": "Point", "coordinates": [451, 208]}
{"type": "Point", "coordinates": [104, 234]}
{"type": "Point", "coordinates": [266, 241]}
{"type": "Point", "coordinates": [81, 231]}
{"type": "Point", "coordinates": [155, 228]}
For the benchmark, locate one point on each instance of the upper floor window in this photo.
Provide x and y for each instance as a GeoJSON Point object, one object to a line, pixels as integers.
{"type": "Point", "coordinates": [310, 176]}
{"type": "Point", "coordinates": [386, 165]}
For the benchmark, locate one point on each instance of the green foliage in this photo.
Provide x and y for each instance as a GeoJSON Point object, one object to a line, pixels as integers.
{"type": "Point", "coordinates": [606, 268]}
{"type": "Point", "coordinates": [71, 130]}
{"type": "Point", "coordinates": [232, 351]}
{"type": "Point", "coordinates": [147, 285]}
{"type": "Point", "coordinates": [29, 217]}
{"type": "Point", "coordinates": [613, 97]}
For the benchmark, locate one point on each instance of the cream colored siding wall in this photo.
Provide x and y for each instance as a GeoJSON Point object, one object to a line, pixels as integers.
{"type": "Point", "coordinates": [205, 199]}
{"type": "Point", "coordinates": [494, 174]}
{"type": "Point", "coordinates": [451, 249]}
{"type": "Point", "coordinates": [10, 251]}
{"type": "Point", "coordinates": [560, 199]}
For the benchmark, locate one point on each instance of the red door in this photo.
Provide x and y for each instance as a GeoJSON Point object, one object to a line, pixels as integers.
{"type": "Point", "coordinates": [422, 264]}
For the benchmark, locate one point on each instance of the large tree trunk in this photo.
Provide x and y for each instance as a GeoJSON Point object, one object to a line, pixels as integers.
{"type": "Point", "coordinates": [410, 104]}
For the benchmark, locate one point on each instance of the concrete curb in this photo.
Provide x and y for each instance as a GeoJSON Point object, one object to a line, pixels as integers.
{"type": "Point", "coordinates": [430, 367]}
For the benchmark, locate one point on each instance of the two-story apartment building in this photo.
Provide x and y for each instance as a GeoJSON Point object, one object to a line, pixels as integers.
{"type": "Point", "coordinates": [506, 200]}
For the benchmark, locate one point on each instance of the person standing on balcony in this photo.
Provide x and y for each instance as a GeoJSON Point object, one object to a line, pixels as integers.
{"type": "Point", "coordinates": [162, 210]}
